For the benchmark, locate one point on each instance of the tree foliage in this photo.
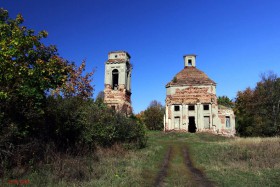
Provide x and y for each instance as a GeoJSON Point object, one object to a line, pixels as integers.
{"type": "Point", "coordinates": [152, 117]}
{"type": "Point", "coordinates": [225, 101]}
{"type": "Point", "coordinates": [28, 69]}
{"type": "Point", "coordinates": [44, 97]}
{"type": "Point", "coordinates": [258, 109]}
{"type": "Point", "coordinates": [76, 83]}
{"type": "Point", "coordinates": [76, 121]}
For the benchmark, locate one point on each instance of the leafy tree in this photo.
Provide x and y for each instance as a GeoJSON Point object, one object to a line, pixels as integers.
{"type": "Point", "coordinates": [76, 83]}
{"type": "Point", "coordinates": [100, 97]}
{"type": "Point", "coordinates": [46, 99]}
{"type": "Point", "coordinates": [258, 110]}
{"type": "Point", "coordinates": [153, 116]}
{"type": "Point", "coordinates": [225, 101]}
{"type": "Point", "coordinates": [267, 99]}
{"type": "Point", "coordinates": [244, 112]}
{"type": "Point", "coordinates": [28, 69]}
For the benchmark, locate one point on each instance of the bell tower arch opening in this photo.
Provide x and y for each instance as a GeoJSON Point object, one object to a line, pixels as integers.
{"type": "Point", "coordinates": [115, 79]}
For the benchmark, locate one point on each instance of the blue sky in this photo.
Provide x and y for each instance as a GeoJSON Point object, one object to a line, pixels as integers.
{"type": "Point", "coordinates": [235, 40]}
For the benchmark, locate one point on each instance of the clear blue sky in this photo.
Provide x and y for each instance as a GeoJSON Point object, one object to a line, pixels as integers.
{"type": "Point", "coordinates": [235, 40]}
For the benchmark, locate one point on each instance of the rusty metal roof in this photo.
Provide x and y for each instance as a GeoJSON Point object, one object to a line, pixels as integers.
{"type": "Point", "coordinates": [190, 76]}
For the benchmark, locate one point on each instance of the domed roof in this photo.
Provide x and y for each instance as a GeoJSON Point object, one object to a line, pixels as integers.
{"type": "Point", "coordinates": [190, 76]}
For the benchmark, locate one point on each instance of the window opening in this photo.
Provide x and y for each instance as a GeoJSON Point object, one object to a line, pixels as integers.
{"type": "Point", "coordinates": [227, 121]}
{"type": "Point", "coordinates": [115, 77]}
{"type": "Point", "coordinates": [189, 62]}
{"type": "Point", "coordinates": [191, 107]}
{"type": "Point", "coordinates": [205, 107]}
{"type": "Point", "coordinates": [176, 108]}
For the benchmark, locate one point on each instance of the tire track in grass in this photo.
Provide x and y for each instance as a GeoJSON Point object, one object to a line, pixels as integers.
{"type": "Point", "coordinates": [163, 171]}
{"type": "Point", "coordinates": [197, 175]}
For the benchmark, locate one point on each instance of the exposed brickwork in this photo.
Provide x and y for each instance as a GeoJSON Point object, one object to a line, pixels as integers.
{"type": "Point", "coordinates": [222, 113]}
{"type": "Point", "coordinates": [191, 95]}
{"type": "Point", "coordinates": [222, 118]}
{"type": "Point", "coordinates": [120, 98]}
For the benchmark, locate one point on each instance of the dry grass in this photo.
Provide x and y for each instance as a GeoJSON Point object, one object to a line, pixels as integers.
{"type": "Point", "coordinates": [226, 161]}
{"type": "Point", "coordinates": [239, 161]}
{"type": "Point", "coordinates": [251, 153]}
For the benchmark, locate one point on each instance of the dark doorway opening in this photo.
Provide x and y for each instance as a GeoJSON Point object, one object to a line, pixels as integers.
{"type": "Point", "coordinates": [192, 126]}
{"type": "Point", "coordinates": [115, 79]}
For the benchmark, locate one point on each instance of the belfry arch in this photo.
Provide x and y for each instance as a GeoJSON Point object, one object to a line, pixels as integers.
{"type": "Point", "coordinates": [115, 79]}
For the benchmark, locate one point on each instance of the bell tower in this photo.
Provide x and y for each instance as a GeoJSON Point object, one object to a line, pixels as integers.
{"type": "Point", "coordinates": [117, 90]}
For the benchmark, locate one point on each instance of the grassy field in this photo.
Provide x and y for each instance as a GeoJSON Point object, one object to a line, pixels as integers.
{"type": "Point", "coordinates": [225, 161]}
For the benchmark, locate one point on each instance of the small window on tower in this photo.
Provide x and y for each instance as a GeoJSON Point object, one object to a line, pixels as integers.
{"type": "Point", "coordinates": [116, 56]}
{"type": "Point", "coordinates": [191, 107]}
{"type": "Point", "coordinates": [190, 62]}
{"type": "Point", "coordinates": [176, 108]}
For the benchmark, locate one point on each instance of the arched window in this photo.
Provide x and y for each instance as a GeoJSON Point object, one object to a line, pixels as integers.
{"type": "Point", "coordinates": [115, 79]}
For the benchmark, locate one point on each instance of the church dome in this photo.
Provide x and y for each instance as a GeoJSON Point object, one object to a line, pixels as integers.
{"type": "Point", "coordinates": [190, 76]}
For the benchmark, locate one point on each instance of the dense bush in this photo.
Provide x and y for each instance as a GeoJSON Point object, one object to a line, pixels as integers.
{"type": "Point", "coordinates": [70, 125]}
{"type": "Point", "coordinates": [75, 120]}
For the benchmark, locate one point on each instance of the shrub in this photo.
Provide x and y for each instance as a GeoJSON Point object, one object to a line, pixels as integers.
{"type": "Point", "coordinates": [76, 121]}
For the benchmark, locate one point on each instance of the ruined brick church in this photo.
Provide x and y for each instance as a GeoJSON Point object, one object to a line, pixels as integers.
{"type": "Point", "coordinates": [191, 103]}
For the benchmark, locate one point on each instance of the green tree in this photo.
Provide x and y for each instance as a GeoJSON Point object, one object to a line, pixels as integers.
{"type": "Point", "coordinates": [225, 101]}
{"type": "Point", "coordinates": [100, 97]}
{"type": "Point", "coordinates": [153, 116]}
{"type": "Point", "coordinates": [244, 112]}
{"type": "Point", "coordinates": [267, 102]}
{"type": "Point", "coordinates": [77, 83]}
{"type": "Point", "coordinates": [28, 70]}
{"type": "Point", "coordinates": [258, 110]}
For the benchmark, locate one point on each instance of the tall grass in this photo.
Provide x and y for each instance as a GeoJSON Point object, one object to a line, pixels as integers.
{"type": "Point", "coordinates": [239, 161]}
{"type": "Point", "coordinates": [226, 161]}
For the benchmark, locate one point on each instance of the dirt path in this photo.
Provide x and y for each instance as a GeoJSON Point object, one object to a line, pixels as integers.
{"type": "Point", "coordinates": [194, 175]}
{"type": "Point", "coordinates": [197, 175]}
{"type": "Point", "coordinates": [163, 171]}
